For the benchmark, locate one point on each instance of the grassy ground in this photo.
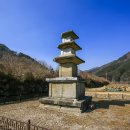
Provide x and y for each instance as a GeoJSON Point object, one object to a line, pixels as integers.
{"type": "Point", "coordinates": [108, 115]}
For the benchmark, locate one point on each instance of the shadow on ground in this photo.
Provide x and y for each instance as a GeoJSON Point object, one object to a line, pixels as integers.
{"type": "Point", "coordinates": [106, 103]}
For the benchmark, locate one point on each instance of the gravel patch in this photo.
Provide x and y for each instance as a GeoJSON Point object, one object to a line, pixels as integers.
{"type": "Point", "coordinates": [112, 118]}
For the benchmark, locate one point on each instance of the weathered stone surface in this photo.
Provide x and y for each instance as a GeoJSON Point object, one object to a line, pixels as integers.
{"type": "Point", "coordinates": [68, 70]}
{"type": "Point", "coordinates": [69, 59]}
{"type": "Point", "coordinates": [62, 79]}
{"type": "Point", "coordinates": [67, 90]}
{"type": "Point", "coordinates": [70, 44]}
{"type": "Point", "coordinates": [82, 105]}
{"type": "Point", "coordinates": [73, 110]}
{"type": "Point", "coordinates": [56, 90]}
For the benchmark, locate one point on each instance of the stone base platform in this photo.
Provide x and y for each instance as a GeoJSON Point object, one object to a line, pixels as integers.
{"type": "Point", "coordinates": [63, 104]}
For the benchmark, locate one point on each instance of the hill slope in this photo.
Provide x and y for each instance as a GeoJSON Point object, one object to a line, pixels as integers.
{"type": "Point", "coordinates": [21, 74]}
{"type": "Point", "coordinates": [20, 65]}
{"type": "Point", "coordinates": [118, 70]}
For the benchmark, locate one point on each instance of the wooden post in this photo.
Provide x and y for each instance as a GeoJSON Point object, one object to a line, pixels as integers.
{"type": "Point", "coordinates": [29, 123]}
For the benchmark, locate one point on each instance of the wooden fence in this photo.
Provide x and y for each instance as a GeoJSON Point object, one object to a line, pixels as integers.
{"type": "Point", "coordinates": [10, 124]}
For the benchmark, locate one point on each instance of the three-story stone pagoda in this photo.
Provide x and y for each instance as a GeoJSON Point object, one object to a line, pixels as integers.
{"type": "Point", "coordinates": [67, 92]}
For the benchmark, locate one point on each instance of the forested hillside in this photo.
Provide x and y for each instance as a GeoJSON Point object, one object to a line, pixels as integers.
{"type": "Point", "coordinates": [117, 71]}
{"type": "Point", "coordinates": [21, 74]}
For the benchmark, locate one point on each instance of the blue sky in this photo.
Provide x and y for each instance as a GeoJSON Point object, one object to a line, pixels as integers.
{"type": "Point", "coordinates": [34, 27]}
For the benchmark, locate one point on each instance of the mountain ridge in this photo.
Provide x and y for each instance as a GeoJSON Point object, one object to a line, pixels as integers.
{"type": "Point", "coordinates": [117, 70]}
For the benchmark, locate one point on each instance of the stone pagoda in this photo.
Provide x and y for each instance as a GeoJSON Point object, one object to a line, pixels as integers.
{"type": "Point", "coordinates": [67, 92]}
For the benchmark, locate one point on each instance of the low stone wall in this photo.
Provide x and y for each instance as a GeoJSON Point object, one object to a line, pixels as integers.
{"type": "Point", "coordinates": [109, 95]}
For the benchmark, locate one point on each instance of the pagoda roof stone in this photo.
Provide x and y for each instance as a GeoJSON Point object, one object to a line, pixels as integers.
{"type": "Point", "coordinates": [69, 34]}
{"type": "Point", "coordinates": [71, 44]}
{"type": "Point", "coordinates": [69, 59]}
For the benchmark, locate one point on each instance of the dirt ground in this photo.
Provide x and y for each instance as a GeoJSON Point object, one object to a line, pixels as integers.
{"type": "Point", "coordinates": [108, 115]}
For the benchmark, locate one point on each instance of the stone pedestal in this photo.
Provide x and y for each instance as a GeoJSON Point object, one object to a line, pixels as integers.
{"type": "Point", "coordinates": [66, 104]}
{"type": "Point", "coordinates": [66, 87]}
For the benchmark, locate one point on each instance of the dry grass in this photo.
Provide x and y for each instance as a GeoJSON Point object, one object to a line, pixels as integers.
{"type": "Point", "coordinates": [123, 87]}
{"type": "Point", "coordinates": [93, 77]}
{"type": "Point", "coordinates": [105, 116]}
